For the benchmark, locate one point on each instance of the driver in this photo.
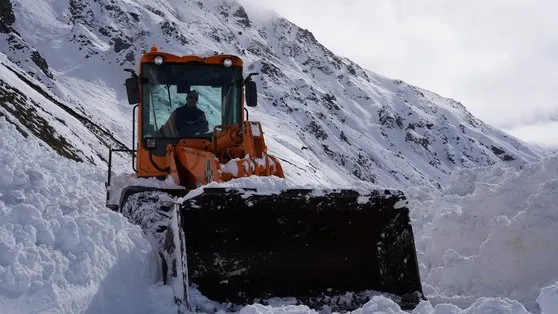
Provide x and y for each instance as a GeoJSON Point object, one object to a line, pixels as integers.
{"type": "Point", "coordinates": [187, 120]}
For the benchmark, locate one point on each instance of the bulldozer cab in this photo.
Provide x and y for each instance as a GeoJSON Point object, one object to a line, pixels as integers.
{"type": "Point", "coordinates": [213, 124]}
{"type": "Point", "coordinates": [163, 89]}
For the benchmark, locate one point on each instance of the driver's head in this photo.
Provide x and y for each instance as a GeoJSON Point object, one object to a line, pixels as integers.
{"type": "Point", "coordinates": [192, 98]}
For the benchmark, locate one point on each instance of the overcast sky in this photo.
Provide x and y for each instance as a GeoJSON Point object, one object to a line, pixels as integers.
{"type": "Point", "coordinates": [497, 57]}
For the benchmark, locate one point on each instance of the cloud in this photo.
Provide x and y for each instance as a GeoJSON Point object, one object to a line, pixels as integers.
{"type": "Point", "coordinates": [541, 134]}
{"type": "Point", "coordinates": [499, 57]}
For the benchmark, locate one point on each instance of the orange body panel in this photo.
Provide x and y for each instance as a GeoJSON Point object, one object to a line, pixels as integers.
{"type": "Point", "coordinates": [196, 162]}
{"type": "Point", "coordinates": [192, 167]}
{"type": "Point", "coordinates": [169, 57]}
{"type": "Point", "coordinates": [146, 168]}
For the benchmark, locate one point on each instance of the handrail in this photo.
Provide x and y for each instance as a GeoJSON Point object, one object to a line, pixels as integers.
{"type": "Point", "coordinates": [133, 151]}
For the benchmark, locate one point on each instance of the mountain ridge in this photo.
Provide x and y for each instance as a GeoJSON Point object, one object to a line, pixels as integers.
{"type": "Point", "coordinates": [326, 117]}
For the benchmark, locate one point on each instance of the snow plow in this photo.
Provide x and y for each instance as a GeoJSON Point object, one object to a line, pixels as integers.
{"type": "Point", "coordinates": [239, 244]}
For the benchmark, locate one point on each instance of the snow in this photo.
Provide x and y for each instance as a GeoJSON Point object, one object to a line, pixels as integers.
{"type": "Point", "coordinates": [255, 129]}
{"type": "Point", "coordinates": [548, 299]}
{"type": "Point", "coordinates": [494, 237]}
{"type": "Point", "coordinates": [60, 250]}
{"type": "Point", "coordinates": [122, 180]}
{"type": "Point", "coordinates": [230, 167]}
{"type": "Point", "coordinates": [485, 229]}
{"type": "Point", "coordinates": [481, 249]}
{"type": "Point", "coordinates": [250, 185]}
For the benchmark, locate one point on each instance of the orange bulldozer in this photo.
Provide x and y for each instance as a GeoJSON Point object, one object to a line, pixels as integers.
{"type": "Point", "coordinates": [239, 245]}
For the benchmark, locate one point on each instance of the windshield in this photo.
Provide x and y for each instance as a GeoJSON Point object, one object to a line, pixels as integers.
{"type": "Point", "coordinates": [189, 100]}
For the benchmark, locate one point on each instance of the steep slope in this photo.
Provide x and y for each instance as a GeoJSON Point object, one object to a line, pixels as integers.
{"type": "Point", "coordinates": [329, 119]}
{"type": "Point", "coordinates": [35, 111]}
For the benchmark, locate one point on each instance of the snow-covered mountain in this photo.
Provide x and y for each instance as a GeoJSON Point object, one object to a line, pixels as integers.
{"type": "Point", "coordinates": [479, 197]}
{"type": "Point", "coordinates": [326, 117]}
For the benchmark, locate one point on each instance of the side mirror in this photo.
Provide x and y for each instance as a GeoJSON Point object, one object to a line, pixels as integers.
{"type": "Point", "coordinates": [251, 94]}
{"type": "Point", "coordinates": [251, 91]}
{"type": "Point", "coordinates": [132, 88]}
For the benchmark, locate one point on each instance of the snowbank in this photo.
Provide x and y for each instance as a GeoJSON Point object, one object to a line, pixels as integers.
{"type": "Point", "coordinates": [61, 251]}
{"type": "Point", "coordinates": [493, 235]}
{"type": "Point", "coordinates": [548, 299]}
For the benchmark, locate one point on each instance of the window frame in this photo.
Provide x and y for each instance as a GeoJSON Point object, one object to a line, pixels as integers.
{"type": "Point", "coordinates": [235, 77]}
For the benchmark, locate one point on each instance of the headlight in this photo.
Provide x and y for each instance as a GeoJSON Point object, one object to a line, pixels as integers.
{"type": "Point", "coordinates": [227, 62]}
{"type": "Point", "coordinates": [158, 60]}
{"type": "Point", "coordinates": [151, 143]}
